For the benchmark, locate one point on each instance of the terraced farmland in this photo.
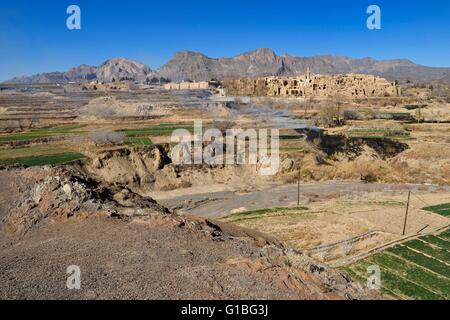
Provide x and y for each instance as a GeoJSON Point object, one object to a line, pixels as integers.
{"type": "Point", "coordinates": [159, 130]}
{"type": "Point", "coordinates": [38, 156]}
{"type": "Point", "coordinates": [43, 160]}
{"type": "Point", "coordinates": [41, 133]}
{"type": "Point", "coordinates": [417, 269]}
{"type": "Point", "coordinates": [138, 141]}
{"type": "Point", "coordinates": [377, 133]}
{"type": "Point", "coordinates": [258, 213]}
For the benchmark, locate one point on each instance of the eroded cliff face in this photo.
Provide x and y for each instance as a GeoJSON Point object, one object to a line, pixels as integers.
{"type": "Point", "coordinates": [129, 247]}
{"type": "Point", "coordinates": [149, 169]}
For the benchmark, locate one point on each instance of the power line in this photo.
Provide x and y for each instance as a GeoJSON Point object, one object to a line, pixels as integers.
{"type": "Point", "coordinates": [427, 204]}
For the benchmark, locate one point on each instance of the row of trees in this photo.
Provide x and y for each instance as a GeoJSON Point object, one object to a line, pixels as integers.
{"type": "Point", "coordinates": [155, 80]}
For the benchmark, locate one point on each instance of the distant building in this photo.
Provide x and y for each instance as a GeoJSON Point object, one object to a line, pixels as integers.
{"type": "Point", "coordinates": [187, 86]}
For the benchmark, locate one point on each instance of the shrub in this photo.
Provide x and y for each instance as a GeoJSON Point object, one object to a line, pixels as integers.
{"type": "Point", "coordinates": [329, 116]}
{"type": "Point", "coordinates": [351, 115]}
{"type": "Point", "coordinates": [107, 137]}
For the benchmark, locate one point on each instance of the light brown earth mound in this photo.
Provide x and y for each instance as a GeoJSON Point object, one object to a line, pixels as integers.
{"type": "Point", "coordinates": [128, 246]}
{"type": "Point", "coordinates": [149, 169]}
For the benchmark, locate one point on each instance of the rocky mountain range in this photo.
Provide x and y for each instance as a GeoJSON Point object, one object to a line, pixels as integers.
{"type": "Point", "coordinates": [82, 73]}
{"type": "Point", "coordinates": [261, 62]}
{"type": "Point", "coordinates": [116, 69]}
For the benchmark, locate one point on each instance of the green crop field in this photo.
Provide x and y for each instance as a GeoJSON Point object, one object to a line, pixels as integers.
{"type": "Point", "coordinates": [442, 209]}
{"type": "Point", "coordinates": [38, 156]}
{"type": "Point", "coordinates": [417, 269]}
{"type": "Point", "coordinates": [159, 130]}
{"type": "Point", "coordinates": [138, 141]}
{"type": "Point", "coordinates": [164, 129]}
{"type": "Point", "coordinates": [260, 212]}
{"type": "Point", "coordinates": [378, 133]}
{"type": "Point", "coordinates": [45, 160]}
{"type": "Point", "coordinates": [41, 133]}
{"type": "Point", "coordinates": [399, 116]}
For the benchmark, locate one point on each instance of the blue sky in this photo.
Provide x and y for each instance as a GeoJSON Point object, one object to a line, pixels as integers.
{"type": "Point", "coordinates": [34, 37]}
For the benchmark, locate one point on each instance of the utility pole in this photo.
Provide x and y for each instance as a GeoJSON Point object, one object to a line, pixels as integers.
{"type": "Point", "coordinates": [298, 192]}
{"type": "Point", "coordinates": [406, 214]}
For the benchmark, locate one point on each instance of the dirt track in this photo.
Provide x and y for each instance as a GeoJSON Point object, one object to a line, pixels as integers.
{"type": "Point", "coordinates": [215, 204]}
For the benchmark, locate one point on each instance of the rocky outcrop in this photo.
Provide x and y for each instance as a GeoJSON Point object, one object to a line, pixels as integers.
{"type": "Point", "coordinates": [120, 69]}
{"type": "Point", "coordinates": [59, 194]}
{"type": "Point", "coordinates": [128, 246]}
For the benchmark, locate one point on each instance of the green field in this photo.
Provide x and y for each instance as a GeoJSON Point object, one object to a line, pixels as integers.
{"type": "Point", "coordinates": [159, 130]}
{"type": "Point", "coordinates": [442, 209]}
{"type": "Point", "coordinates": [398, 116]}
{"type": "Point", "coordinates": [38, 156]}
{"type": "Point", "coordinates": [41, 133]}
{"type": "Point", "coordinates": [417, 269]}
{"type": "Point", "coordinates": [140, 137]}
{"type": "Point", "coordinates": [44, 160]}
{"type": "Point", "coordinates": [138, 142]}
{"type": "Point", "coordinates": [291, 149]}
{"type": "Point", "coordinates": [378, 133]}
{"type": "Point", "coordinates": [259, 213]}
{"type": "Point", "coordinates": [49, 155]}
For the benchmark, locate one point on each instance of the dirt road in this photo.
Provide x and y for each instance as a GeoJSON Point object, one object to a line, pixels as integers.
{"type": "Point", "coordinates": [215, 204]}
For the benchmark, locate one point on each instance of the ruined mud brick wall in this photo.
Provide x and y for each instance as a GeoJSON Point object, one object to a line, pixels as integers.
{"type": "Point", "coordinates": [351, 86]}
{"type": "Point", "coordinates": [187, 86]}
{"type": "Point", "coordinates": [112, 86]}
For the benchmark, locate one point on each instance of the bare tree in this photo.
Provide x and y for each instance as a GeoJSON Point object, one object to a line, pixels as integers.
{"type": "Point", "coordinates": [107, 137]}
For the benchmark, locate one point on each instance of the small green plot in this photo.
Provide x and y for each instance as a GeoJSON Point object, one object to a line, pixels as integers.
{"type": "Point", "coordinates": [292, 149]}
{"type": "Point", "coordinates": [436, 241]}
{"type": "Point", "coordinates": [413, 273]}
{"type": "Point", "coordinates": [44, 159]}
{"type": "Point", "coordinates": [398, 116]}
{"type": "Point", "coordinates": [445, 235]}
{"type": "Point", "coordinates": [394, 284]}
{"type": "Point", "coordinates": [378, 133]}
{"type": "Point", "coordinates": [41, 133]}
{"type": "Point", "coordinates": [138, 141]}
{"type": "Point", "coordinates": [442, 209]}
{"type": "Point", "coordinates": [407, 288]}
{"type": "Point", "coordinates": [261, 212]}
{"type": "Point", "coordinates": [421, 260]}
{"type": "Point", "coordinates": [435, 252]}
{"type": "Point", "coordinates": [416, 269]}
{"type": "Point", "coordinates": [160, 130]}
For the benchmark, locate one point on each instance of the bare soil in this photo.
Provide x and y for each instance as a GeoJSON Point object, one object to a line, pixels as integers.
{"type": "Point", "coordinates": [129, 247]}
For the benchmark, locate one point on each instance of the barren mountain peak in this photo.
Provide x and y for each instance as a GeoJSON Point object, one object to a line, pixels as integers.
{"type": "Point", "coordinates": [118, 69]}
